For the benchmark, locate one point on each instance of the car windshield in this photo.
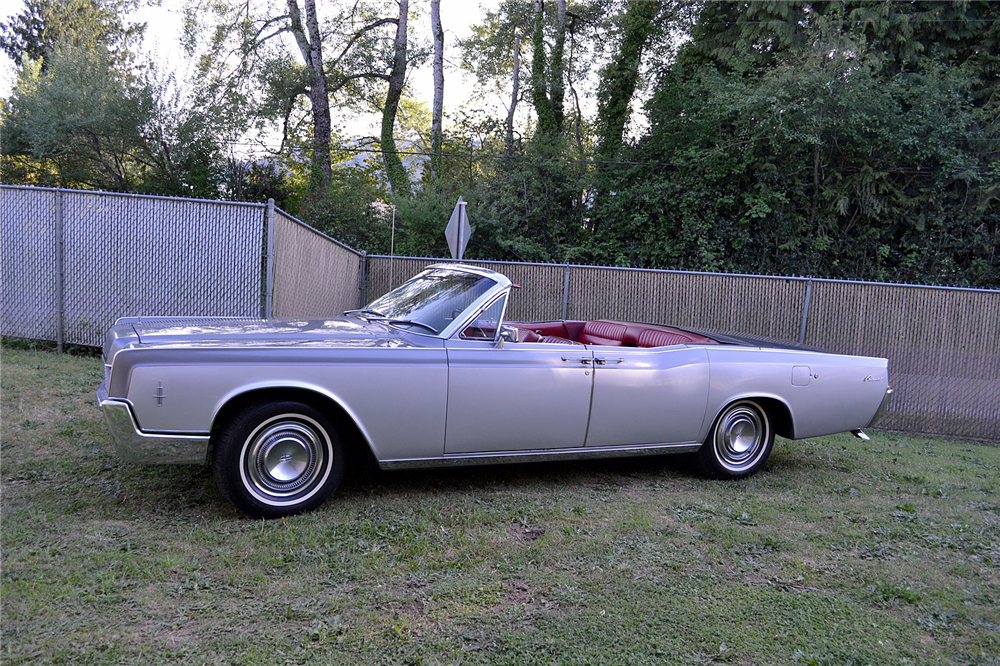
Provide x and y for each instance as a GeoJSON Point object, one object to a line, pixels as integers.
{"type": "Point", "coordinates": [431, 300]}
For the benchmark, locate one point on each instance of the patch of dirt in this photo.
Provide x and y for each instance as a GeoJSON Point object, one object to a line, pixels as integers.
{"type": "Point", "coordinates": [518, 592]}
{"type": "Point", "coordinates": [414, 609]}
{"type": "Point", "coordinates": [525, 533]}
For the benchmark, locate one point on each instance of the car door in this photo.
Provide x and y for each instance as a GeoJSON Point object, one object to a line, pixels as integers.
{"type": "Point", "coordinates": [648, 395]}
{"type": "Point", "coordinates": [517, 396]}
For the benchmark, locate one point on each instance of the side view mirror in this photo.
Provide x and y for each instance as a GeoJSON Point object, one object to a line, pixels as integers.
{"type": "Point", "coordinates": [507, 333]}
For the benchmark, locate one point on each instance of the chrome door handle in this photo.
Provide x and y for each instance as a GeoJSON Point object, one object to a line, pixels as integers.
{"type": "Point", "coordinates": [608, 361]}
{"type": "Point", "coordinates": [577, 359]}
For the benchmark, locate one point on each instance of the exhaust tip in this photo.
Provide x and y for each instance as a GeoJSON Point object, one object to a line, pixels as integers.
{"type": "Point", "coordinates": [860, 434]}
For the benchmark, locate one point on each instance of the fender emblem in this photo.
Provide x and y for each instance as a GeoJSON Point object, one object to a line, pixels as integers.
{"type": "Point", "coordinates": [870, 378]}
{"type": "Point", "coordinates": [159, 395]}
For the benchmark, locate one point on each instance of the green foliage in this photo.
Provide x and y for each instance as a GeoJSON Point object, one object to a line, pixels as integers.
{"type": "Point", "coordinates": [354, 209]}
{"type": "Point", "coordinates": [79, 118]}
{"type": "Point", "coordinates": [850, 139]}
{"type": "Point", "coordinates": [43, 25]}
{"type": "Point", "coordinates": [835, 158]}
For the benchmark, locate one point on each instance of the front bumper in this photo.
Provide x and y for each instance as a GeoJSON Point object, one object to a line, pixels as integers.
{"type": "Point", "coordinates": [135, 446]}
{"type": "Point", "coordinates": [886, 399]}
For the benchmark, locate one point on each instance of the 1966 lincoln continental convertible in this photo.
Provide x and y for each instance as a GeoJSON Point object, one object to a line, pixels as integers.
{"type": "Point", "coordinates": [431, 374]}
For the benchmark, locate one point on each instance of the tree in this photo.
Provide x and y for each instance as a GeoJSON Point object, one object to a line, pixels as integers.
{"type": "Point", "coordinates": [241, 57]}
{"type": "Point", "coordinates": [80, 120]}
{"type": "Point", "coordinates": [547, 89]}
{"type": "Point", "coordinates": [82, 114]}
{"type": "Point", "coordinates": [619, 77]}
{"type": "Point", "coordinates": [437, 33]}
{"type": "Point", "coordinates": [399, 179]}
{"type": "Point", "coordinates": [33, 35]}
{"type": "Point", "coordinates": [493, 54]}
{"type": "Point", "coordinates": [311, 47]}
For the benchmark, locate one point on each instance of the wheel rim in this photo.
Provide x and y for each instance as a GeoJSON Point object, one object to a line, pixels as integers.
{"type": "Point", "coordinates": [286, 459]}
{"type": "Point", "coordinates": [740, 437]}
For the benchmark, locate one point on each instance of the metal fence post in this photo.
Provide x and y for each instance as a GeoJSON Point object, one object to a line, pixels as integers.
{"type": "Point", "coordinates": [362, 275]}
{"type": "Point", "coordinates": [60, 274]}
{"type": "Point", "coordinates": [565, 292]}
{"type": "Point", "coordinates": [805, 312]}
{"type": "Point", "coordinates": [269, 265]}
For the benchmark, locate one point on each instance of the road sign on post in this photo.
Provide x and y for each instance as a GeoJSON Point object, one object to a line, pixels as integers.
{"type": "Point", "coordinates": [458, 231]}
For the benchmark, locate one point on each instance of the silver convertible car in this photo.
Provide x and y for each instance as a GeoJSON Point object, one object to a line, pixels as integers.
{"type": "Point", "coordinates": [431, 374]}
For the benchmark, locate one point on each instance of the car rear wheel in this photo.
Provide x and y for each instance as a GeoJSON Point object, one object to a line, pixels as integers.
{"type": "Point", "coordinates": [739, 443]}
{"type": "Point", "coordinates": [276, 459]}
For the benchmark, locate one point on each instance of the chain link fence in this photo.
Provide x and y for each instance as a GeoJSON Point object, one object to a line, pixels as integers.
{"type": "Point", "coordinates": [74, 261]}
{"type": "Point", "coordinates": [29, 303]}
{"type": "Point", "coordinates": [942, 343]}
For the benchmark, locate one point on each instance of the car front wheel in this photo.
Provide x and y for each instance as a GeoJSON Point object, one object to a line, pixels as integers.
{"type": "Point", "coordinates": [739, 443]}
{"type": "Point", "coordinates": [276, 459]}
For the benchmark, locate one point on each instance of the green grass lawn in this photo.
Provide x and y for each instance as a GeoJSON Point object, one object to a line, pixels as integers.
{"type": "Point", "coordinates": [839, 552]}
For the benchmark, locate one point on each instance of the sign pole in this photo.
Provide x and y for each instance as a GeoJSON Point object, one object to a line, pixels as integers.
{"type": "Point", "coordinates": [463, 220]}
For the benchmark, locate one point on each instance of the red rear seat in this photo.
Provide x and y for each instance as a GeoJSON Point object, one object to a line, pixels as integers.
{"type": "Point", "coordinates": [601, 332]}
{"type": "Point", "coordinates": [651, 337]}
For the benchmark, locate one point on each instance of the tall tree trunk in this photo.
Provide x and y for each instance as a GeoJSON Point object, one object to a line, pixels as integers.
{"type": "Point", "coordinates": [547, 91]}
{"type": "Point", "coordinates": [310, 44]}
{"type": "Point", "coordinates": [620, 77]}
{"type": "Point", "coordinates": [556, 88]}
{"type": "Point", "coordinates": [438, 33]}
{"type": "Point", "coordinates": [394, 169]}
{"type": "Point", "coordinates": [509, 137]}
{"type": "Point", "coordinates": [539, 89]}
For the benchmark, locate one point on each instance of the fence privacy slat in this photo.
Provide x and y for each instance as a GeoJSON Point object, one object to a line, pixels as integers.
{"type": "Point", "coordinates": [314, 276]}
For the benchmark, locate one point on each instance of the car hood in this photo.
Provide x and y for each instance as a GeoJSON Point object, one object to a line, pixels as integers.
{"type": "Point", "coordinates": [214, 332]}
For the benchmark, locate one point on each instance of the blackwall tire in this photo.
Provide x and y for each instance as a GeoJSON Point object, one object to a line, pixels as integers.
{"type": "Point", "coordinates": [739, 443]}
{"type": "Point", "coordinates": [277, 459]}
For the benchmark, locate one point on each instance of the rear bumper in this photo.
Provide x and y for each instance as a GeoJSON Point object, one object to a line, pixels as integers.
{"type": "Point", "coordinates": [886, 399]}
{"type": "Point", "coordinates": [135, 446]}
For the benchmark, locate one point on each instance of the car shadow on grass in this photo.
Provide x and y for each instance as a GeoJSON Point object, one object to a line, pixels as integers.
{"type": "Point", "coordinates": [158, 490]}
{"type": "Point", "coordinates": [192, 489]}
{"type": "Point", "coordinates": [526, 476]}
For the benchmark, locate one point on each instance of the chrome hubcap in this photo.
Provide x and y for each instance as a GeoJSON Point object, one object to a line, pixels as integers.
{"type": "Point", "coordinates": [284, 456]}
{"type": "Point", "coordinates": [740, 437]}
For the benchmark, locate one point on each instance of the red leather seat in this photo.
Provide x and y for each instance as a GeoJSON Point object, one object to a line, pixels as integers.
{"type": "Point", "coordinates": [649, 335]}
{"type": "Point", "coordinates": [602, 332]}
{"type": "Point", "coordinates": [527, 335]}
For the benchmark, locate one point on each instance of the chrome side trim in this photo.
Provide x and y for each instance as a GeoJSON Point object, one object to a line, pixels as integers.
{"type": "Point", "coordinates": [469, 459]}
{"type": "Point", "coordinates": [135, 446]}
{"type": "Point", "coordinates": [886, 399]}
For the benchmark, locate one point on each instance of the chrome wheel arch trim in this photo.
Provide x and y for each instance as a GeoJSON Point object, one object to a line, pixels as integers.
{"type": "Point", "coordinates": [241, 392]}
{"type": "Point", "coordinates": [712, 416]}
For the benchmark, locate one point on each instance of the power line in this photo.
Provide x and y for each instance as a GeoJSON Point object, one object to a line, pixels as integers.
{"type": "Point", "coordinates": [525, 158]}
{"type": "Point", "coordinates": [484, 156]}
